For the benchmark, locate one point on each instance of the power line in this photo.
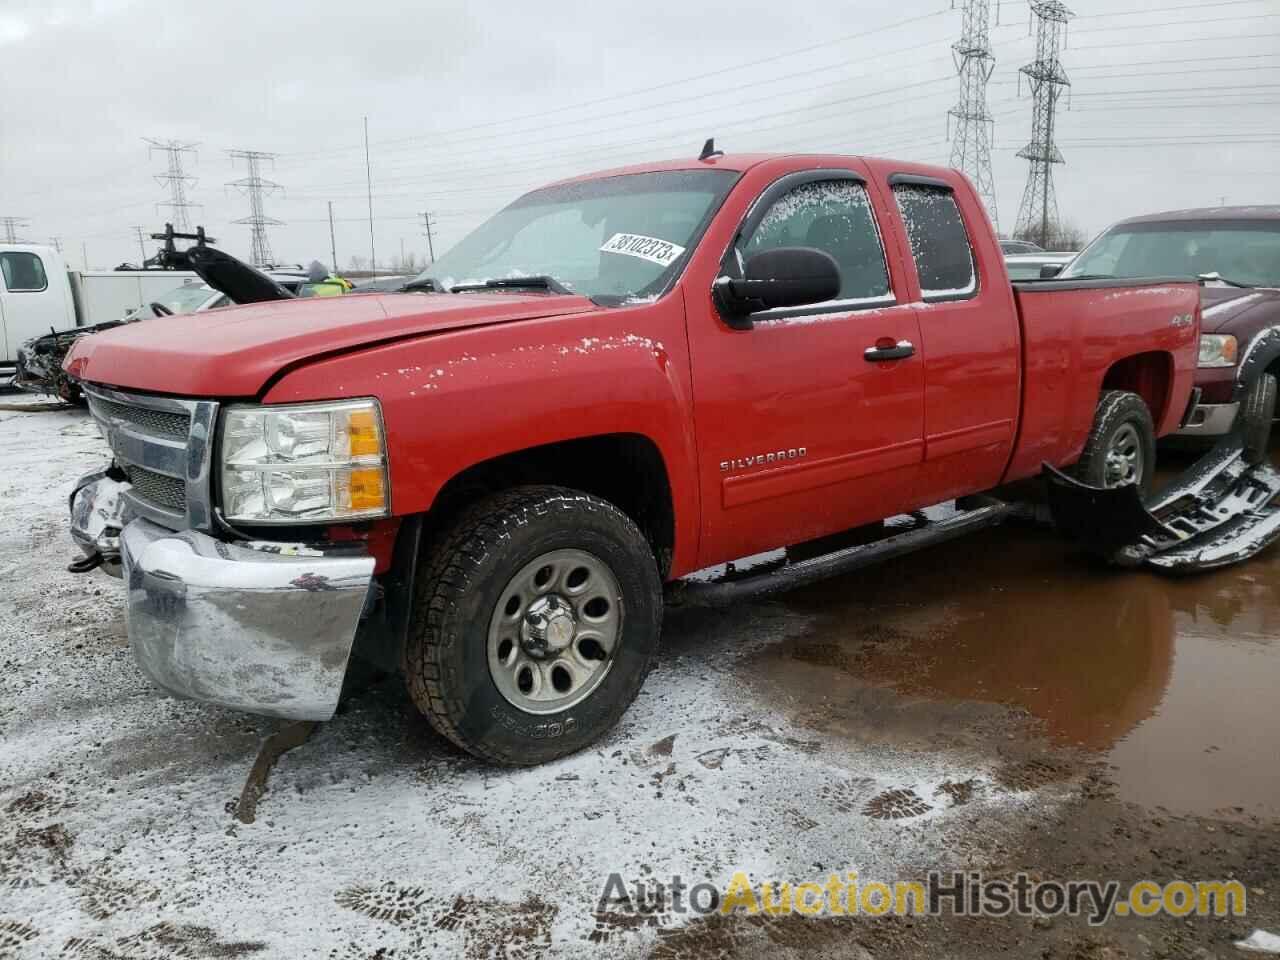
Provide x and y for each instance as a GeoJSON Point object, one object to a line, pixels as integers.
{"type": "Point", "coordinates": [1142, 63]}
{"type": "Point", "coordinates": [176, 179]}
{"type": "Point", "coordinates": [753, 64]}
{"type": "Point", "coordinates": [1181, 23]}
{"type": "Point", "coordinates": [1148, 43]}
{"type": "Point", "coordinates": [255, 188]}
{"type": "Point", "coordinates": [1039, 211]}
{"type": "Point", "coordinates": [751, 103]}
{"type": "Point", "coordinates": [1151, 10]}
{"type": "Point", "coordinates": [892, 95]}
{"type": "Point", "coordinates": [11, 226]}
{"type": "Point", "coordinates": [971, 145]}
{"type": "Point", "coordinates": [445, 142]}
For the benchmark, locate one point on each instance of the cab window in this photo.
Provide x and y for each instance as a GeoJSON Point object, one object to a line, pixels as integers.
{"type": "Point", "coordinates": [23, 272]}
{"type": "Point", "coordinates": [939, 243]}
{"type": "Point", "coordinates": [833, 216]}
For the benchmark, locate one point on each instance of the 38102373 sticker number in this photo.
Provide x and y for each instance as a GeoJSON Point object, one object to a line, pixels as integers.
{"type": "Point", "coordinates": [653, 249]}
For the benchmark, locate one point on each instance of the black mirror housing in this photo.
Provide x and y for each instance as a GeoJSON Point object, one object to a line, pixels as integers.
{"type": "Point", "coordinates": [785, 277]}
{"type": "Point", "coordinates": [1050, 270]}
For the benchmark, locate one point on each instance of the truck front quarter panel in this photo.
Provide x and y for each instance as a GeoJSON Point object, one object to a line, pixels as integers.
{"type": "Point", "coordinates": [455, 400]}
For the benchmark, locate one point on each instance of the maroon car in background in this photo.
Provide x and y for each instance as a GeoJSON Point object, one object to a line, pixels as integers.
{"type": "Point", "coordinates": [1235, 251]}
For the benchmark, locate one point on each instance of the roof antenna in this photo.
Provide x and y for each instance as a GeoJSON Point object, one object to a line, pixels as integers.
{"type": "Point", "coordinates": [709, 150]}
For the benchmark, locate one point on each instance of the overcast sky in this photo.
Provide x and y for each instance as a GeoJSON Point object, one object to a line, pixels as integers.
{"type": "Point", "coordinates": [1174, 103]}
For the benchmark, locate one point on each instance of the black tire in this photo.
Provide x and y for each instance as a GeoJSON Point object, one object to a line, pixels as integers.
{"type": "Point", "coordinates": [446, 658]}
{"type": "Point", "coordinates": [1118, 411]}
{"type": "Point", "coordinates": [1257, 413]}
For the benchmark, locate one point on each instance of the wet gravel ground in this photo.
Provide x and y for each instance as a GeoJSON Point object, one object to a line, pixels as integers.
{"type": "Point", "coordinates": [995, 703]}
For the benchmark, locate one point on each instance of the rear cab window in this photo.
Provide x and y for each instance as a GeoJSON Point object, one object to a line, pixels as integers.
{"type": "Point", "coordinates": [939, 242]}
{"type": "Point", "coordinates": [833, 216]}
{"type": "Point", "coordinates": [23, 272]}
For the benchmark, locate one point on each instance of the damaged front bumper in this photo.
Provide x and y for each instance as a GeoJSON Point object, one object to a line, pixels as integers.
{"type": "Point", "coordinates": [262, 627]}
{"type": "Point", "coordinates": [96, 521]}
{"type": "Point", "coordinates": [1220, 512]}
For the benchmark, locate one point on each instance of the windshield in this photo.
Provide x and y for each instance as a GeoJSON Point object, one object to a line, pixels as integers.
{"type": "Point", "coordinates": [183, 299]}
{"type": "Point", "coordinates": [1246, 252]}
{"type": "Point", "coordinates": [612, 239]}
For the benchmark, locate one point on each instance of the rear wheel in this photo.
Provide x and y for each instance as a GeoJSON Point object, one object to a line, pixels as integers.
{"type": "Point", "coordinates": [536, 619]}
{"type": "Point", "coordinates": [1121, 448]}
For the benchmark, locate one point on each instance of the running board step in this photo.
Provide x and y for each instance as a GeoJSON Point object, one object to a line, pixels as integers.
{"type": "Point", "coordinates": [925, 528]}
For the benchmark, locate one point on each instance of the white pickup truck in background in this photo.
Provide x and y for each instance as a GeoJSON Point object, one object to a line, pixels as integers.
{"type": "Point", "coordinates": [38, 293]}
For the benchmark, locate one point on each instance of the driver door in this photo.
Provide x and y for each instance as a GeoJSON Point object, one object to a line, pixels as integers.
{"type": "Point", "coordinates": [802, 432]}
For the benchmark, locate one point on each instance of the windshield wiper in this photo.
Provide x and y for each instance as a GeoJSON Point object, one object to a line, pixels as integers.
{"type": "Point", "coordinates": [426, 283]}
{"type": "Point", "coordinates": [543, 281]}
{"type": "Point", "coordinates": [1221, 279]}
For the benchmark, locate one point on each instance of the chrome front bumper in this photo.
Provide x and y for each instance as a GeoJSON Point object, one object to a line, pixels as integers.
{"type": "Point", "coordinates": [262, 627]}
{"type": "Point", "coordinates": [1209, 420]}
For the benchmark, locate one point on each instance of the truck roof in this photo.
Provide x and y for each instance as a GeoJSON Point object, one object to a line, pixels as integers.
{"type": "Point", "coordinates": [1255, 212]}
{"type": "Point", "coordinates": [29, 247]}
{"type": "Point", "coordinates": [740, 163]}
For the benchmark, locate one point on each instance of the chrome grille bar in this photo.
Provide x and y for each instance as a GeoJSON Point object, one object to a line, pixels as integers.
{"type": "Point", "coordinates": [164, 446]}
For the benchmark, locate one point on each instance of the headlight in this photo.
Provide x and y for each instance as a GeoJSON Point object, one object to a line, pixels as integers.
{"type": "Point", "coordinates": [304, 463]}
{"type": "Point", "coordinates": [1217, 350]}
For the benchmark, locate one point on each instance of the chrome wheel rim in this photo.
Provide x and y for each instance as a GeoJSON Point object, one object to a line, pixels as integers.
{"type": "Point", "coordinates": [554, 632]}
{"type": "Point", "coordinates": [1124, 458]}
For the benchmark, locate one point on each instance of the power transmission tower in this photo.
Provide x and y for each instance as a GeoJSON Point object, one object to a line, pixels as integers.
{"type": "Point", "coordinates": [971, 141]}
{"type": "Point", "coordinates": [1038, 215]}
{"type": "Point", "coordinates": [428, 223]}
{"type": "Point", "coordinates": [255, 188]}
{"type": "Point", "coordinates": [142, 243]}
{"type": "Point", "coordinates": [11, 226]}
{"type": "Point", "coordinates": [176, 179]}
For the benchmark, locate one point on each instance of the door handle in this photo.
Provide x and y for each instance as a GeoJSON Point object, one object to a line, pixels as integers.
{"type": "Point", "coordinates": [884, 351]}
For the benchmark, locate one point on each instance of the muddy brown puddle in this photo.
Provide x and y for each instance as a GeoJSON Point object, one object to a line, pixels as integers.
{"type": "Point", "coordinates": [1174, 683]}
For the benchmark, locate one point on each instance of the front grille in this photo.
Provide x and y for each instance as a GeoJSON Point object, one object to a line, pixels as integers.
{"type": "Point", "coordinates": [159, 422]}
{"type": "Point", "coordinates": [168, 493]}
{"type": "Point", "coordinates": [162, 446]}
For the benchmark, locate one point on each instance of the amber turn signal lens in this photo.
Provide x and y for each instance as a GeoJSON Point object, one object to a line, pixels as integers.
{"type": "Point", "coordinates": [362, 429]}
{"type": "Point", "coordinates": [367, 491]}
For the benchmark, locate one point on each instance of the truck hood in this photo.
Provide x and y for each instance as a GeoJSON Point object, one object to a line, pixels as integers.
{"type": "Point", "coordinates": [234, 352]}
{"type": "Point", "coordinates": [1222, 307]}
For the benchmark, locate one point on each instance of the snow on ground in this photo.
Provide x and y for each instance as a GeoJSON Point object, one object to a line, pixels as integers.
{"type": "Point", "coordinates": [119, 836]}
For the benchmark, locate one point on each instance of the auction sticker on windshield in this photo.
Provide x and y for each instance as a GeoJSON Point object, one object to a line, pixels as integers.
{"type": "Point", "coordinates": [652, 249]}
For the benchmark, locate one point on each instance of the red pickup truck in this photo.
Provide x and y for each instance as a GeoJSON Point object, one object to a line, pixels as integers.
{"type": "Point", "coordinates": [616, 381]}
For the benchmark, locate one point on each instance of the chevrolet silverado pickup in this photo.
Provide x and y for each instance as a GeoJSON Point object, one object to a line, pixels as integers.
{"type": "Point", "coordinates": [616, 381]}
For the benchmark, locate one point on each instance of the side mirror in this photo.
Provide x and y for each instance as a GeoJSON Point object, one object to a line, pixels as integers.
{"type": "Point", "coordinates": [785, 277]}
{"type": "Point", "coordinates": [1050, 270]}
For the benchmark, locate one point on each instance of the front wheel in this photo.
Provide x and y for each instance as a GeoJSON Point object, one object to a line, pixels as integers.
{"type": "Point", "coordinates": [1121, 448]}
{"type": "Point", "coordinates": [536, 619]}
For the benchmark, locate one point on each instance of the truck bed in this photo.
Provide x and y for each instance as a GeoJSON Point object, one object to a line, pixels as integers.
{"type": "Point", "coordinates": [1064, 367]}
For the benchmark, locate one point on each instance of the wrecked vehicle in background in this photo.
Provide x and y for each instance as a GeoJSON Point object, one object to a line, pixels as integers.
{"type": "Point", "coordinates": [613, 383]}
{"type": "Point", "coordinates": [39, 360]}
{"type": "Point", "coordinates": [39, 292]}
{"type": "Point", "coordinates": [1235, 252]}
{"type": "Point", "coordinates": [226, 282]}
